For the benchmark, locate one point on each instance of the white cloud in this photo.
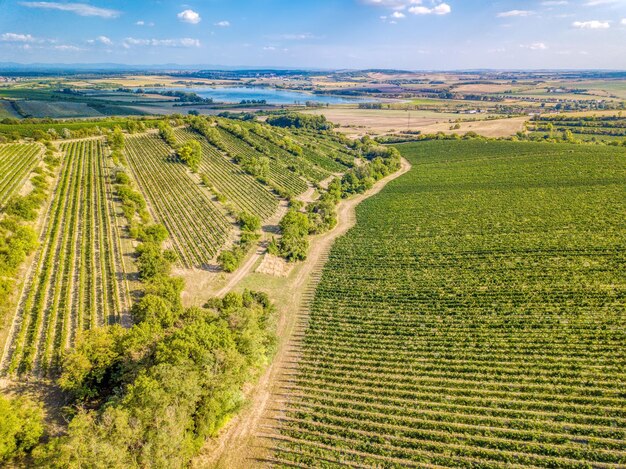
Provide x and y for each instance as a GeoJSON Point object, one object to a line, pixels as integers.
{"type": "Point", "coordinates": [269, 48]}
{"type": "Point", "coordinates": [104, 40]}
{"type": "Point", "coordinates": [440, 9]}
{"type": "Point", "coordinates": [81, 9]}
{"type": "Point", "coordinates": [223, 24]}
{"type": "Point", "coordinates": [398, 14]}
{"type": "Point", "coordinates": [140, 23]}
{"type": "Point", "coordinates": [189, 16]}
{"type": "Point", "coordinates": [182, 42]}
{"type": "Point", "coordinates": [101, 40]}
{"type": "Point", "coordinates": [66, 48]}
{"type": "Point", "coordinates": [593, 24]}
{"type": "Point", "coordinates": [296, 37]}
{"type": "Point", "coordinates": [535, 46]}
{"type": "Point", "coordinates": [414, 6]}
{"type": "Point", "coordinates": [395, 4]}
{"type": "Point", "coordinates": [554, 3]}
{"type": "Point", "coordinates": [513, 13]}
{"type": "Point", "coordinates": [14, 37]}
{"type": "Point", "coordinates": [595, 3]}
{"type": "Point", "coordinates": [623, 22]}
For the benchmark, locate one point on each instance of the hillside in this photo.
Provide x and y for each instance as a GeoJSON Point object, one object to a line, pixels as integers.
{"type": "Point", "coordinates": [84, 273]}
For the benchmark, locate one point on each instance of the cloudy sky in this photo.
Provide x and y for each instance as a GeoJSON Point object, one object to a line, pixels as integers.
{"type": "Point", "coordinates": [408, 34]}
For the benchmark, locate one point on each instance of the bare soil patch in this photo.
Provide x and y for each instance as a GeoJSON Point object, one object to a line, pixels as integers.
{"type": "Point", "coordinates": [276, 266]}
{"type": "Point", "coordinates": [358, 122]}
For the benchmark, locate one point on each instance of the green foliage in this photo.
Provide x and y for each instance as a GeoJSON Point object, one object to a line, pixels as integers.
{"type": "Point", "coordinates": [203, 127]}
{"type": "Point", "coordinates": [322, 215]}
{"type": "Point", "coordinates": [230, 260]}
{"type": "Point", "coordinates": [167, 387]}
{"type": "Point", "coordinates": [249, 222]}
{"type": "Point", "coordinates": [300, 121]}
{"type": "Point", "coordinates": [152, 261]}
{"type": "Point", "coordinates": [191, 154]}
{"type": "Point", "coordinates": [115, 140]}
{"type": "Point", "coordinates": [167, 134]}
{"type": "Point", "coordinates": [86, 366]}
{"type": "Point", "coordinates": [21, 427]}
{"type": "Point", "coordinates": [293, 244]}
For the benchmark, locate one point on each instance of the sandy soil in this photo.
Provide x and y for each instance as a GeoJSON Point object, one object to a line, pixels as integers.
{"type": "Point", "coordinates": [276, 266]}
{"type": "Point", "coordinates": [241, 444]}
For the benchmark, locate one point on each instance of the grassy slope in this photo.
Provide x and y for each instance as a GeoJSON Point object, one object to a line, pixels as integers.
{"type": "Point", "coordinates": [475, 315]}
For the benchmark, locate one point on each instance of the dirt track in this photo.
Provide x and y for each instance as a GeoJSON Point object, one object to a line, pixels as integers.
{"type": "Point", "coordinates": [239, 445]}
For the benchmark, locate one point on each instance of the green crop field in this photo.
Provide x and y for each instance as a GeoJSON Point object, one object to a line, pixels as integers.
{"type": "Point", "coordinates": [57, 109]}
{"type": "Point", "coordinates": [76, 278]}
{"type": "Point", "coordinates": [245, 192]}
{"type": "Point", "coordinates": [474, 317]}
{"type": "Point", "coordinates": [197, 226]}
{"type": "Point", "coordinates": [283, 177]}
{"type": "Point", "coordinates": [83, 272]}
{"type": "Point", "coordinates": [16, 163]}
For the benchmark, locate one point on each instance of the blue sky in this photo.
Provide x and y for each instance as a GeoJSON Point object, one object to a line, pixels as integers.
{"type": "Point", "coordinates": [408, 34]}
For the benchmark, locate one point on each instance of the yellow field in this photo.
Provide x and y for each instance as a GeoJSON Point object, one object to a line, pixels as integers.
{"type": "Point", "coordinates": [359, 122]}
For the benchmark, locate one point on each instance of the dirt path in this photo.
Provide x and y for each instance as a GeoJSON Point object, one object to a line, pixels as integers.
{"type": "Point", "coordinates": [268, 230]}
{"type": "Point", "coordinates": [240, 444]}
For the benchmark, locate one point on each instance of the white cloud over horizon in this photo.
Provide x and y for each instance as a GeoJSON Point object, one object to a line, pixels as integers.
{"type": "Point", "coordinates": [181, 42]}
{"type": "Point", "coordinates": [592, 24]}
{"type": "Point", "coordinates": [515, 13]}
{"type": "Point", "coordinates": [81, 9]}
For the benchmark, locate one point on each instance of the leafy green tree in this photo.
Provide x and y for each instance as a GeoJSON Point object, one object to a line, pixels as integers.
{"type": "Point", "coordinates": [191, 154]}
{"type": "Point", "coordinates": [21, 427]}
{"type": "Point", "coordinates": [116, 139]}
{"type": "Point", "coordinates": [87, 365]}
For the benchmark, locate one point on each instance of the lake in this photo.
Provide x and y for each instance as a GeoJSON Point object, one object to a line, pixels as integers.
{"type": "Point", "coordinates": [236, 94]}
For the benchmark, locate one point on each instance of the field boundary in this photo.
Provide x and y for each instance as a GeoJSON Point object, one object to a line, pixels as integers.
{"type": "Point", "coordinates": [239, 444]}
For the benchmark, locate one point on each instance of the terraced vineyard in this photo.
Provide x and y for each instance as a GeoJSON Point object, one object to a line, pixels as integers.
{"type": "Point", "coordinates": [474, 317]}
{"type": "Point", "coordinates": [243, 190]}
{"type": "Point", "coordinates": [197, 227]}
{"type": "Point", "coordinates": [16, 163]}
{"type": "Point", "coordinates": [76, 280]}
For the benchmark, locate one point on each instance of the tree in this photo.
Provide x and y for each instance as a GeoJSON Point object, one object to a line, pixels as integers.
{"type": "Point", "coordinates": [21, 427]}
{"type": "Point", "coordinates": [294, 244]}
{"type": "Point", "coordinates": [116, 139]}
{"type": "Point", "coordinates": [191, 154]}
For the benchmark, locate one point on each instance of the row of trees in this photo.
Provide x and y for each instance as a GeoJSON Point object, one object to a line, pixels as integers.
{"type": "Point", "coordinates": [230, 260]}
{"type": "Point", "coordinates": [18, 238]}
{"type": "Point", "coordinates": [320, 216]}
{"type": "Point", "coordinates": [300, 121]}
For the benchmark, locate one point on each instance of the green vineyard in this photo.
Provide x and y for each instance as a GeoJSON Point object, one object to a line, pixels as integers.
{"type": "Point", "coordinates": [76, 280]}
{"type": "Point", "coordinates": [197, 227]}
{"type": "Point", "coordinates": [83, 273]}
{"type": "Point", "coordinates": [243, 190]}
{"type": "Point", "coordinates": [474, 317]}
{"type": "Point", "coordinates": [279, 174]}
{"type": "Point", "coordinates": [16, 162]}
